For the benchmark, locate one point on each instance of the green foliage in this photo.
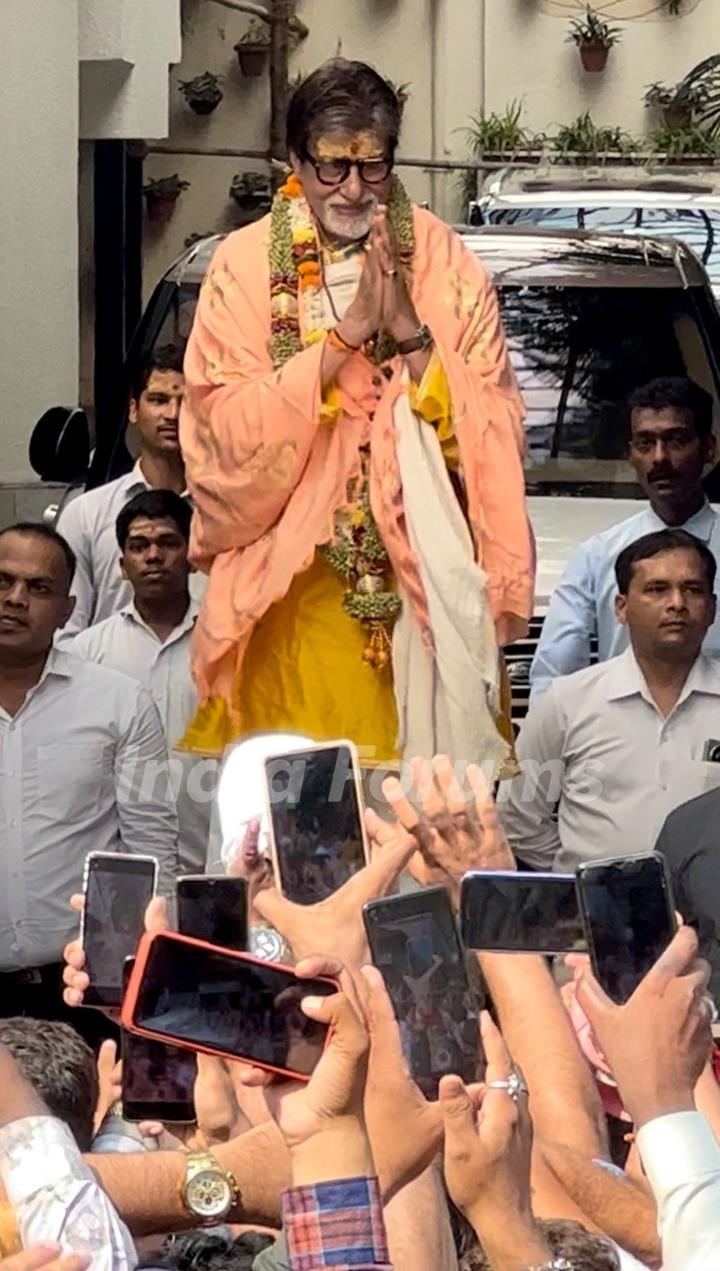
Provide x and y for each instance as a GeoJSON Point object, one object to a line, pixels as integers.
{"type": "Point", "coordinates": [500, 133]}
{"type": "Point", "coordinates": [691, 97]}
{"type": "Point", "coordinates": [692, 140]}
{"type": "Point", "coordinates": [165, 187]}
{"type": "Point", "coordinates": [588, 139]}
{"type": "Point", "coordinates": [593, 30]}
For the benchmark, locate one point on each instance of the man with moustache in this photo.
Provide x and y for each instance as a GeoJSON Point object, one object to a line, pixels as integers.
{"type": "Point", "coordinates": [671, 446]}
{"type": "Point", "coordinates": [353, 438]}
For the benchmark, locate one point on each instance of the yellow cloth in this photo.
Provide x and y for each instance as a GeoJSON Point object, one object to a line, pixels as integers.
{"type": "Point", "coordinates": [431, 400]}
{"type": "Point", "coordinates": [303, 671]}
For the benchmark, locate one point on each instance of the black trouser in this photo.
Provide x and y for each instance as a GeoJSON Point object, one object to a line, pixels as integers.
{"type": "Point", "coordinates": [38, 993]}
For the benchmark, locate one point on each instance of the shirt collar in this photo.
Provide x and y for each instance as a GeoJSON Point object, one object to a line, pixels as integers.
{"type": "Point", "coordinates": [130, 612]}
{"type": "Point", "coordinates": [700, 524]}
{"type": "Point", "coordinates": [140, 481]}
{"type": "Point", "coordinates": [629, 681]}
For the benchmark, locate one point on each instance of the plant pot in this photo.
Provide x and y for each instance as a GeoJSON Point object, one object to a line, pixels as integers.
{"type": "Point", "coordinates": [251, 202]}
{"type": "Point", "coordinates": [201, 106]}
{"type": "Point", "coordinates": [252, 59]}
{"type": "Point", "coordinates": [676, 115]}
{"type": "Point", "coordinates": [593, 56]}
{"type": "Point", "coordinates": [160, 207]}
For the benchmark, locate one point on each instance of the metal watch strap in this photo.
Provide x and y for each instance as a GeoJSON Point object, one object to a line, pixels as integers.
{"type": "Point", "coordinates": [422, 339]}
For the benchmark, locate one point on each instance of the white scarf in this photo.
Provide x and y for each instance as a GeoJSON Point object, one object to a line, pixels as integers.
{"type": "Point", "coordinates": [443, 700]}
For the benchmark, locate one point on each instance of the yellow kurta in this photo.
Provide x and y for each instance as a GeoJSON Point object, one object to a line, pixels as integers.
{"type": "Point", "coordinates": [303, 671]}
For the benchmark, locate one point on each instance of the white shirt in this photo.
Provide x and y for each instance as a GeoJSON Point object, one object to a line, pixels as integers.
{"type": "Point", "coordinates": [83, 767]}
{"type": "Point", "coordinates": [583, 603]}
{"type": "Point", "coordinates": [88, 524]}
{"type": "Point", "coordinates": [56, 1196]}
{"type": "Point", "coordinates": [681, 1158]}
{"type": "Point", "coordinates": [597, 742]}
{"type": "Point", "coordinates": [124, 642]}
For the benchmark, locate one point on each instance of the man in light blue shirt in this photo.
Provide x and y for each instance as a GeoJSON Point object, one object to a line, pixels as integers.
{"type": "Point", "coordinates": [671, 445]}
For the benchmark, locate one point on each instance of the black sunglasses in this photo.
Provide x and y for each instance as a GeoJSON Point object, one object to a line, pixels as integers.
{"type": "Point", "coordinates": [336, 171]}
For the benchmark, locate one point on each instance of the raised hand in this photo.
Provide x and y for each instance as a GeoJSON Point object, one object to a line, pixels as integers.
{"type": "Point", "coordinates": [364, 316]}
{"type": "Point", "coordinates": [488, 1145]}
{"type": "Point", "coordinates": [456, 830]}
{"type": "Point", "coordinates": [76, 979]}
{"type": "Point", "coordinates": [655, 1077]}
{"type": "Point", "coordinates": [334, 927]}
{"type": "Point", "coordinates": [399, 317]}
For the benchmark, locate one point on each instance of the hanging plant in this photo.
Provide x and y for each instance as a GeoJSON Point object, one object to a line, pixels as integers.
{"type": "Point", "coordinates": [203, 94]}
{"type": "Point", "coordinates": [594, 38]}
{"type": "Point", "coordinates": [161, 195]}
{"type": "Point", "coordinates": [252, 192]}
{"type": "Point", "coordinates": [253, 50]}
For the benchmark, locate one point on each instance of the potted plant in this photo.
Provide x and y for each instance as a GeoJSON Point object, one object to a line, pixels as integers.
{"type": "Point", "coordinates": [252, 193]}
{"type": "Point", "coordinates": [253, 49]}
{"type": "Point", "coordinates": [677, 102]}
{"type": "Point", "coordinates": [203, 94]}
{"type": "Point", "coordinates": [161, 195]}
{"type": "Point", "coordinates": [594, 38]}
{"type": "Point", "coordinates": [583, 140]}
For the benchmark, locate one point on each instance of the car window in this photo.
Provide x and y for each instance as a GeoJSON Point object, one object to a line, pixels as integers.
{"type": "Point", "coordinates": [578, 353]}
{"type": "Point", "coordinates": [699, 228]}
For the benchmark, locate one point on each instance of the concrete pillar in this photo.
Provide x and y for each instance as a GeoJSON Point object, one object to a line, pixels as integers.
{"type": "Point", "coordinates": [38, 218]}
{"type": "Point", "coordinates": [458, 52]}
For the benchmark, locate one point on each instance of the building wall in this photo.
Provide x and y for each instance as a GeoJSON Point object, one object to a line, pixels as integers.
{"type": "Point", "coordinates": [38, 236]}
{"type": "Point", "coordinates": [68, 69]}
{"type": "Point", "coordinates": [435, 45]}
{"type": "Point", "coordinates": [530, 60]}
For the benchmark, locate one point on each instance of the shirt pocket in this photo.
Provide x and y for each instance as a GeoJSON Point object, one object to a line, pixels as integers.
{"type": "Point", "coordinates": [690, 777]}
{"type": "Point", "coordinates": [75, 779]}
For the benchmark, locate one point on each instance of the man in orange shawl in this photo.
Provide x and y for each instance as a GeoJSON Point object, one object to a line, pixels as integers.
{"type": "Point", "coordinates": [353, 440]}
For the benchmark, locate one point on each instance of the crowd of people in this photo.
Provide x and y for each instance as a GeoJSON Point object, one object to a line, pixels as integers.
{"type": "Point", "coordinates": [325, 535]}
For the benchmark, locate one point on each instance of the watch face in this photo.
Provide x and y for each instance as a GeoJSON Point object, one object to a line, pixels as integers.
{"type": "Point", "coordinates": [209, 1195]}
{"type": "Point", "coordinates": [266, 944]}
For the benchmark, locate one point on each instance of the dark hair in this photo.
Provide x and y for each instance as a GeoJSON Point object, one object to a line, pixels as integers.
{"type": "Point", "coordinates": [61, 1068]}
{"type": "Point", "coordinates": [342, 96]}
{"type": "Point", "coordinates": [584, 1250]}
{"type": "Point", "coordinates": [167, 358]}
{"type": "Point", "coordinates": [154, 505]}
{"type": "Point", "coordinates": [209, 1251]}
{"type": "Point", "coordinates": [680, 393]}
{"type": "Point", "coordinates": [37, 529]}
{"type": "Point", "coordinates": [654, 545]}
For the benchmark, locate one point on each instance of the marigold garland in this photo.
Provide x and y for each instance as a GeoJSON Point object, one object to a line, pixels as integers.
{"type": "Point", "coordinates": [297, 321]}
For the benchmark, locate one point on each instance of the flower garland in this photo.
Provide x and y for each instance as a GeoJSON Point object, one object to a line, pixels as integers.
{"type": "Point", "coordinates": [298, 319]}
{"type": "Point", "coordinates": [296, 280]}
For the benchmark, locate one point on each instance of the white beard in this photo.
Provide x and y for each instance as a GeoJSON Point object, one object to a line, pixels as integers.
{"type": "Point", "coordinates": [353, 228]}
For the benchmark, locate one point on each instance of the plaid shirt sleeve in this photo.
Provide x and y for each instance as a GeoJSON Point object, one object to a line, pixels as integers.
{"type": "Point", "coordinates": [337, 1225]}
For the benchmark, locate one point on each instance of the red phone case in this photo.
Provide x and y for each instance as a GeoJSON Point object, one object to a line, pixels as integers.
{"type": "Point", "coordinates": [133, 989]}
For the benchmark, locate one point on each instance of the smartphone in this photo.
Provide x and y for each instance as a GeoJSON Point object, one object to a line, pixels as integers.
{"type": "Point", "coordinates": [158, 1081]}
{"type": "Point", "coordinates": [415, 945]}
{"type": "Point", "coordinates": [224, 1003]}
{"type": "Point", "coordinates": [117, 891]}
{"type": "Point", "coordinates": [520, 913]}
{"type": "Point", "coordinates": [628, 912]}
{"type": "Point", "coordinates": [214, 909]}
{"type": "Point", "coordinates": [317, 833]}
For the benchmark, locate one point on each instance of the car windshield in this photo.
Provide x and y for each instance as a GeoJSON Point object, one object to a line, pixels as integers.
{"type": "Point", "coordinates": [698, 227]}
{"type": "Point", "coordinates": [578, 352]}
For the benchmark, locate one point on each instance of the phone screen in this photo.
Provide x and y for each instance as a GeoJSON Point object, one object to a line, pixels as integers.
{"type": "Point", "coordinates": [158, 1081]}
{"type": "Point", "coordinates": [118, 891]}
{"type": "Point", "coordinates": [629, 916]}
{"type": "Point", "coordinates": [415, 944]}
{"type": "Point", "coordinates": [231, 1005]}
{"type": "Point", "coordinates": [213, 909]}
{"type": "Point", "coordinates": [316, 821]}
{"type": "Point", "coordinates": [521, 913]}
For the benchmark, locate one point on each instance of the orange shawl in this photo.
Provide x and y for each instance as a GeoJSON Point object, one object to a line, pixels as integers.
{"type": "Point", "coordinates": [267, 477]}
